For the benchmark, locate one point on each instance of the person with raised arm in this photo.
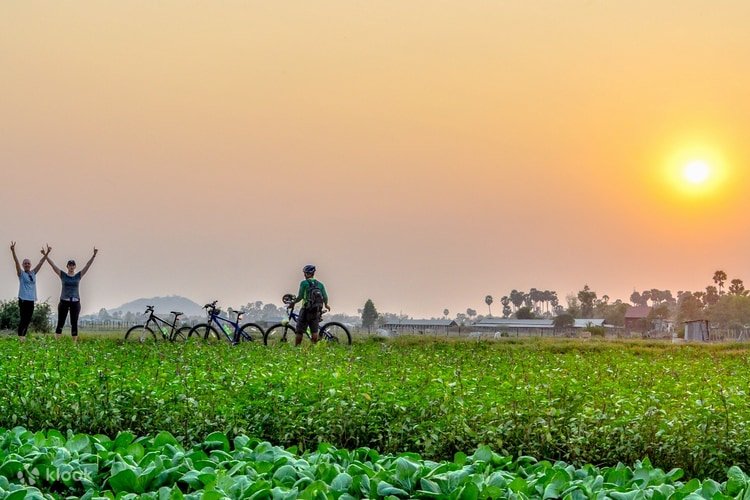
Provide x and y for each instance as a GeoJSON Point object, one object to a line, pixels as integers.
{"type": "Point", "coordinates": [26, 289]}
{"type": "Point", "coordinates": [70, 297]}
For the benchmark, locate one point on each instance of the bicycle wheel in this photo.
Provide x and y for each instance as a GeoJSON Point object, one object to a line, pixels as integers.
{"type": "Point", "coordinates": [251, 332]}
{"type": "Point", "coordinates": [279, 334]}
{"type": "Point", "coordinates": [335, 332]}
{"type": "Point", "coordinates": [181, 334]}
{"type": "Point", "coordinates": [203, 331]}
{"type": "Point", "coordinates": [140, 333]}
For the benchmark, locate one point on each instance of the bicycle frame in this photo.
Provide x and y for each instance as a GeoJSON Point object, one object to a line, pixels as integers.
{"type": "Point", "coordinates": [154, 326]}
{"type": "Point", "coordinates": [234, 331]}
{"type": "Point", "coordinates": [331, 331]}
{"type": "Point", "coordinates": [293, 316]}
{"type": "Point", "coordinates": [155, 320]}
{"type": "Point", "coordinates": [215, 318]}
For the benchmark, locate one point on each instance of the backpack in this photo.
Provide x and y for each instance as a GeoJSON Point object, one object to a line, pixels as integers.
{"type": "Point", "coordinates": [315, 298]}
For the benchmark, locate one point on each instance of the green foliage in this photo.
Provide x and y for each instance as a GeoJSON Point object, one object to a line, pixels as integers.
{"type": "Point", "coordinates": [369, 315]}
{"type": "Point", "coordinates": [603, 402]}
{"type": "Point", "coordinates": [596, 331]}
{"type": "Point", "coordinates": [40, 320]}
{"type": "Point", "coordinates": [587, 298]}
{"type": "Point", "coordinates": [52, 464]}
{"type": "Point", "coordinates": [731, 310]}
{"type": "Point", "coordinates": [563, 320]}
{"type": "Point", "coordinates": [689, 306]}
{"type": "Point", "coordinates": [525, 313]}
{"type": "Point", "coordinates": [737, 287]}
{"type": "Point", "coordinates": [613, 314]}
{"type": "Point", "coordinates": [10, 316]}
{"type": "Point", "coordinates": [574, 306]}
{"type": "Point", "coordinates": [660, 311]}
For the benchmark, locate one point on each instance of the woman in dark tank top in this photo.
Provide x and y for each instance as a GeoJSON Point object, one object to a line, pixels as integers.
{"type": "Point", "coordinates": [70, 297]}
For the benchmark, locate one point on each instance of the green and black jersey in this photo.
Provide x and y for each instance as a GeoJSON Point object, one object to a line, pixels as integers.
{"type": "Point", "coordinates": [304, 286]}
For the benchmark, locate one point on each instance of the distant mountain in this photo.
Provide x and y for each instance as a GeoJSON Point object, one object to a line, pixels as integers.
{"type": "Point", "coordinates": [162, 305]}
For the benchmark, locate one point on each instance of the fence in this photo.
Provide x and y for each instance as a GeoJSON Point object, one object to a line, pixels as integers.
{"type": "Point", "coordinates": [105, 325]}
{"type": "Point", "coordinates": [110, 325]}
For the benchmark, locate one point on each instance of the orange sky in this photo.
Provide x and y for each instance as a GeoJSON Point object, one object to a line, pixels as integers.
{"type": "Point", "coordinates": [450, 149]}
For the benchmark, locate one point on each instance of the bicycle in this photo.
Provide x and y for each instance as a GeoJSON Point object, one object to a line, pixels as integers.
{"type": "Point", "coordinates": [235, 334]}
{"type": "Point", "coordinates": [146, 331]}
{"type": "Point", "coordinates": [333, 331]}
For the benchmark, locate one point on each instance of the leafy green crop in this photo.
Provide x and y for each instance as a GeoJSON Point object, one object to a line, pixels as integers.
{"type": "Point", "coordinates": [45, 465]}
{"type": "Point", "coordinates": [599, 402]}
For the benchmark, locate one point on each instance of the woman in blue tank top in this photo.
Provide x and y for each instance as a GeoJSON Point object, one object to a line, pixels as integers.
{"type": "Point", "coordinates": [70, 298]}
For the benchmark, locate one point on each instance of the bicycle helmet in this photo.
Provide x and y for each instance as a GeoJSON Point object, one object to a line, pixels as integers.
{"type": "Point", "coordinates": [309, 269]}
{"type": "Point", "coordinates": [288, 298]}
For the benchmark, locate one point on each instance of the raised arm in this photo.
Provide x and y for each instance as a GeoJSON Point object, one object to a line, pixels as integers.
{"type": "Point", "coordinates": [54, 267]}
{"type": "Point", "coordinates": [41, 261]}
{"type": "Point", "coordinates": [88, 264]}
{"type": "Point", "coordinates": [15, 258]}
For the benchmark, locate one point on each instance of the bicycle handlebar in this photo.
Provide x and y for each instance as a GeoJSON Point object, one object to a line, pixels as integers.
{"type": "Point", "coordinates": [290, 309]}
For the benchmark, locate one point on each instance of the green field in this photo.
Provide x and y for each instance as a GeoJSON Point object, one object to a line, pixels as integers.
{"type": "Point", "coordinates": [579, 402]}
{"type": "Point", "coordinates": [53, 465]}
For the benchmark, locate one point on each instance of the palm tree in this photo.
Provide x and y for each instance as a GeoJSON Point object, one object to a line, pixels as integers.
{"type": "Point", "coordinates": [548, 296]}
{"type": "Point", "coordinates": [446, 312]}
{"type": "Point", "coordinates": [737, 287]}
{"type": "Point", "coordinates": [711, 297]}
{"type": "Point", "coordinates": [554, 300]}
{"type": "Point", "coordinates": [534, 298]}
{"type": "Point", "coordinates": [516, 298]}
{"type": "Point", "coordinates": [720, 277]}
{"type": "Point", "coordinates": [587, 298]}
{"type": "Point", "coordinates": [505, 301]}
{"type": "Point", "coordinates": [488, 301]}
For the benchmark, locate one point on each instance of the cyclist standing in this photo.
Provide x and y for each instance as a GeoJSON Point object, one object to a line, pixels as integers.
{"type": "Point", "coordinates": [314, 298]}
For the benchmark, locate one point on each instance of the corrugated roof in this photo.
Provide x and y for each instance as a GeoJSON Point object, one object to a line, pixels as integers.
{"type": "Point", "coordinates": [514, 323]}
{"type": "Point", "coordinates": [533, 323]}
{"type": "Point", "coordinates": [422, 322]}
{"type": "Point", "coordinates": [584, 322]}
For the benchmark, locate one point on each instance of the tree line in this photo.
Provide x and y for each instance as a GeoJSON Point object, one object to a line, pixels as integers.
{"type": "Point", "coordinates": [10, 316]}
{"type": "Point", "coordinates": [726, 303]}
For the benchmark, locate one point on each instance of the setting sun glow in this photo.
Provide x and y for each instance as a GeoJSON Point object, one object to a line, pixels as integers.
{"type": "Point", "coordinates": [696, 172]}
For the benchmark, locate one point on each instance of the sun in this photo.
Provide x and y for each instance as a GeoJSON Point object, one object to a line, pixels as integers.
{"type": "Point", "coordinates": [696, 172]}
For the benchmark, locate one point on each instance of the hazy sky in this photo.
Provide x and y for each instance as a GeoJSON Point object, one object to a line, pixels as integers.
{"type": "Point", "coordinates": [420, 153]}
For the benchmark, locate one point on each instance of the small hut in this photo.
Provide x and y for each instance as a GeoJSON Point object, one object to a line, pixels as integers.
{"type": "Point", "coordinates": [696, 330]}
